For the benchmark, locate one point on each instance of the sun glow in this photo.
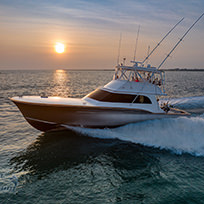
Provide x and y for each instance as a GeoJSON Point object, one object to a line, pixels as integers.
{"type": "Point", "coordinates": [59, 48]}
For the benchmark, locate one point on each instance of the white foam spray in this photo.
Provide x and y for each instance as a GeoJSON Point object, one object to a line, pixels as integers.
{"type": "Point", "coordinates": [180, 135]}
{"type": "Point", "coordinates": [191, 103]}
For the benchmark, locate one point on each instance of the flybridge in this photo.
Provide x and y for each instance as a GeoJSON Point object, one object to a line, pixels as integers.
{"type": "Point", "coordinates": [138, 66]}
{"type": "Point", "coordinates": [139, 73]}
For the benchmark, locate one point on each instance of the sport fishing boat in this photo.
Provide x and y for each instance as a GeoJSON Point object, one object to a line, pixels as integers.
{"type": "Point", "coordinates": [131, 96]}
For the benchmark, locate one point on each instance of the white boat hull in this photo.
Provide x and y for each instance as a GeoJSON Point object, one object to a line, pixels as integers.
{"type": "Point", "coordinates": [45, 117]}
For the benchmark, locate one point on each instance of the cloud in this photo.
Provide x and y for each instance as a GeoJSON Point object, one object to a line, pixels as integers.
{"type": "Point", "coordinates": [96, 23]}
{"type": "Point", "coordinates": [100, 14]}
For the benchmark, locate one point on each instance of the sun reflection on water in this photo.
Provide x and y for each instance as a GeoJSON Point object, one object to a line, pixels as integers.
{"type": "Point", "coordinates": [61, 81]}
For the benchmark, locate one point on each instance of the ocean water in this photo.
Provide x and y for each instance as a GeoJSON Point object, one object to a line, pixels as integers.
{"type": "Point", "coordinates": [157, 161]}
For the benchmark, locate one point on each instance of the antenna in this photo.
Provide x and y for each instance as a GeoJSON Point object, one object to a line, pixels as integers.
{"type": "Point", "coordinates": [161, 41]}
{"type": "Point", "coordinates": [138, 31]}
{"type": "Point", "coordinates": [119, 48]}
{"type": "Point", "coordinates": [180, 41]}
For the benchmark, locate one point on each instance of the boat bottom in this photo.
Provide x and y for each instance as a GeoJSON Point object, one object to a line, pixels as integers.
{"type": "Point", "coordinates": [45, 126]}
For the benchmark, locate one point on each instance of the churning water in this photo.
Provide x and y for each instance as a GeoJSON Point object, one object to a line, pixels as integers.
{"type": "Point", "coordinates": [157, 161]}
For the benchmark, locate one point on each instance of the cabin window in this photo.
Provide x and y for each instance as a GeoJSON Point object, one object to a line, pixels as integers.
{"type": "Point", "coordinates": [105, 96]}
{"type": "Point", "coordinates": [142, 99]}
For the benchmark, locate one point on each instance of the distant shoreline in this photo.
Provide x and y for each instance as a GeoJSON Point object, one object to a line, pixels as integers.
{"type": "Point", "coordinates": [184, 69]}
{"type": "Point", "coordinates": [173, 69]}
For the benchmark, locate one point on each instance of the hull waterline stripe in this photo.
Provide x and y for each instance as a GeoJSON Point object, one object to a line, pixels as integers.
{"type": "Point", "coordinates": [42, 121]}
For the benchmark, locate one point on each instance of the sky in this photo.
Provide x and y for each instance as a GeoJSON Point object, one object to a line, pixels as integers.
{"type": "Point", "coordinates": [90, 31]}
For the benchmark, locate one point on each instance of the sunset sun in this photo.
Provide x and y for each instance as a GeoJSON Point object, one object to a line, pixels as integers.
{"type": "Point", "coordinates": [59, 48]}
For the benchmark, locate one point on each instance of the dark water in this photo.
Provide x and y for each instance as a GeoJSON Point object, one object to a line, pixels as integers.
{"type": "Point", "coordinates": [158, 161]}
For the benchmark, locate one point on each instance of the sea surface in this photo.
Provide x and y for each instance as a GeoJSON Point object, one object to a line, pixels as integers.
{"type": "Point", "coordinates": [157, 161]}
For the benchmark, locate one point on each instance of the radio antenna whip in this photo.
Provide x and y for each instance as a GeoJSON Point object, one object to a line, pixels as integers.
{"type": "Point", "coordinates": [119, 48]}
{"type": "Point", "coordinates": [180, 41]}
{"type": "Point", "coordinates": [138, 31]}
{"type": "Point", "coordinates": [161, 41]}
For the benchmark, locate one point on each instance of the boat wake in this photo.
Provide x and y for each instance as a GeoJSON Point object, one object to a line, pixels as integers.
{"type": "Point", "coordinates": [180, 135]}
{"type": "Point", "coordinates": [191, 104]}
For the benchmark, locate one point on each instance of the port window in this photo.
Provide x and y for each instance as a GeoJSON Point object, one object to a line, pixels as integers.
{"type": "Point", "coordinates": [105, 96]}
{"type": "Point", "coordinates": [142, 99]}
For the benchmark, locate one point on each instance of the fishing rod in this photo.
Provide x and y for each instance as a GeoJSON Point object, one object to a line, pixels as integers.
{"type": "Point", "coordinates": [136, 43]}
{"type": "Point", "coordinates": [180, 41]}
{"type": "Point", "coordinates": [148, 53]}
{"type": "Point", "coordinates": [161, 41]}
{"type": "Point", "coordinates": [119, 49]}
